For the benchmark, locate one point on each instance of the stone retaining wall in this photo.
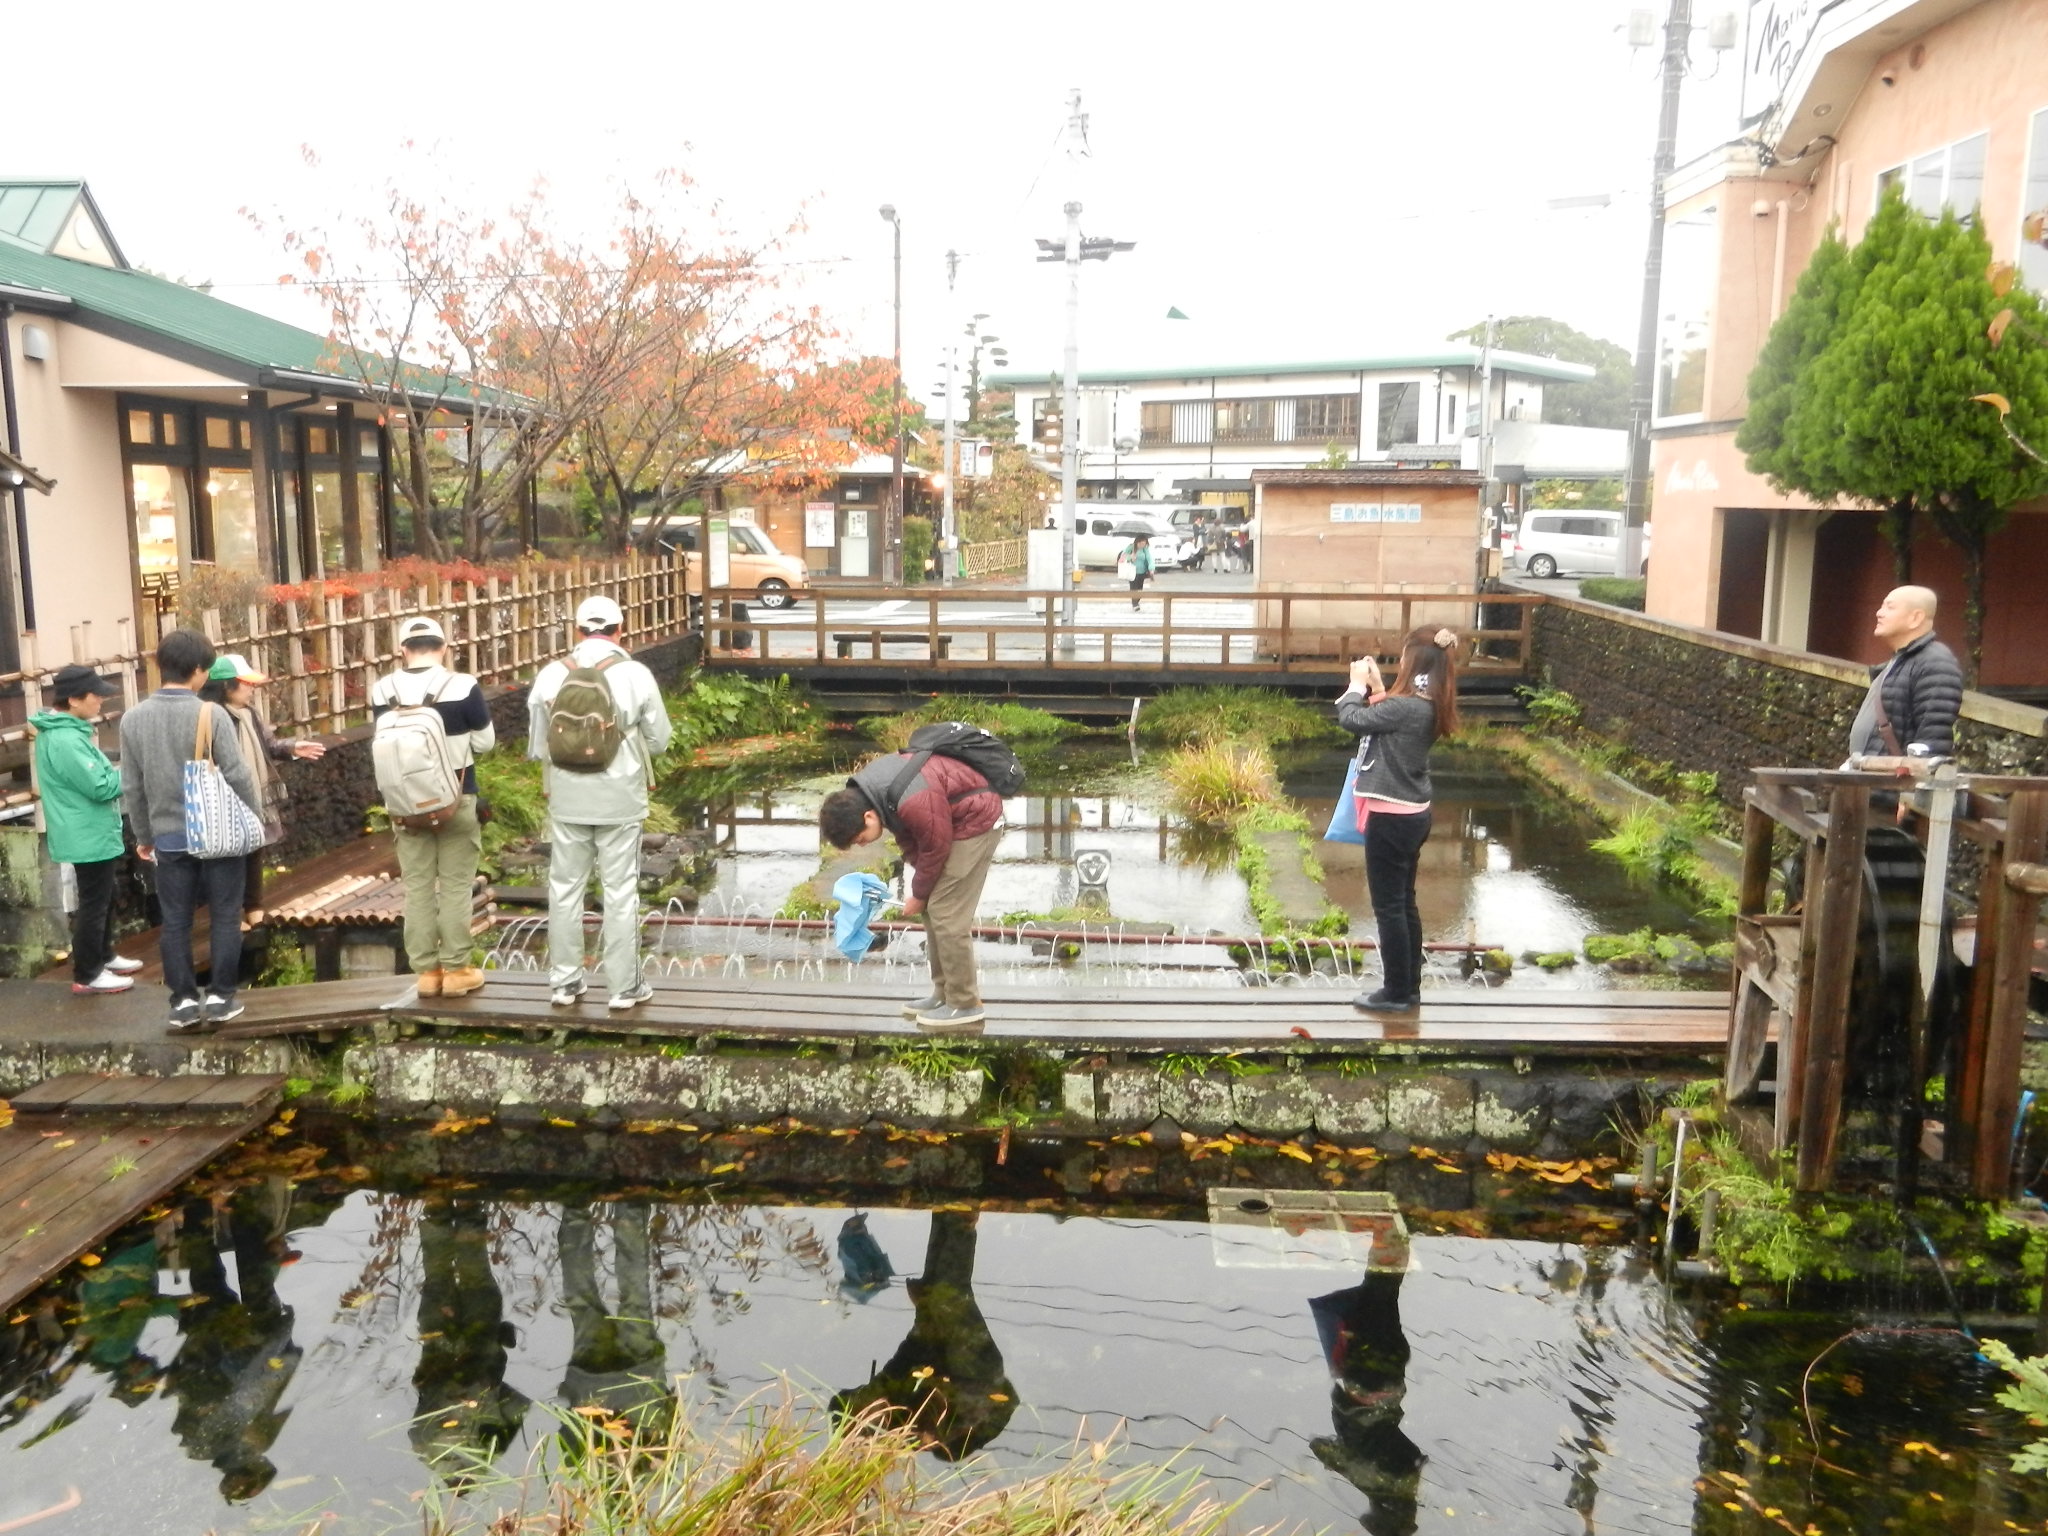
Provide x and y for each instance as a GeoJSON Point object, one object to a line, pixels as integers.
{"type": "Point", "coordinates": [1721, 703]}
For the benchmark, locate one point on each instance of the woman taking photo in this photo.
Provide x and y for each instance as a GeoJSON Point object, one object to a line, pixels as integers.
{"type": "Point", "coordinates": [232, 683]}
{"type": "Point", "coordinates": [1396, 728]}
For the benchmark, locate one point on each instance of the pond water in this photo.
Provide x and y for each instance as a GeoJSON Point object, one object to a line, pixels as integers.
{"type": "Point", "coordinates": [267, 1356]}
{"type": "Point", "coordinates": [1507, 866]}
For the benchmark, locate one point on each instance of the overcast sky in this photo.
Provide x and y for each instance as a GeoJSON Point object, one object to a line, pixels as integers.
{"type": "Point", "coordinates": [1303, 180]}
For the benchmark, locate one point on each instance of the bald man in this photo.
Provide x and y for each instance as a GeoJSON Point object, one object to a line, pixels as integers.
{"type": "Point", "coordinates": [1914, 698]}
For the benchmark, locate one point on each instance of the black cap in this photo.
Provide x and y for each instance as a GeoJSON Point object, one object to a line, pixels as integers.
{"type": "Point", "coordinates": [77, 680]}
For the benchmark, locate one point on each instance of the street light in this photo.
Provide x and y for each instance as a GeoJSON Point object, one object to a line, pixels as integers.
{"type": "Point", "coordinates": [892, 525]}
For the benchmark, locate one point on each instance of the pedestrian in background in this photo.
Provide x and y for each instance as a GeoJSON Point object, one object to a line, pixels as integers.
{"type": "Point", "coordinates": [433, 722]}
{"type": "Point", "coordinates": [231, 683]}
{"type": "Point", "coordinates": [159, 736]}
{"type": "Point", "coordinates": [81, 798]}
{"type": "Point", "coordinates": [1136, 557]}
{"type": "Point", "coordinates": [1396, 728]}
{"type": "Point", "coordinates": [597, 721]}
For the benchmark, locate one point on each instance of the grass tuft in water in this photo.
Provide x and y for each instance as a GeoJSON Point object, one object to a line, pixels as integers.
{"type": "Point", "coordinates": [1182, 716]}
{"type": "Point", "coordinates": [1013, 722]}
{"type": "Point", "coordinates": [771, 1472]}
{"type": "Point", "coordinates": [1221, 782]}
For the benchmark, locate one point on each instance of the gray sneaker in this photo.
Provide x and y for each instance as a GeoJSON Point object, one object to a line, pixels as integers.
{"type": "Point", "coordinates": [930, 1004]}
{"type": "Point", "coordinates": [568, 996]}
{"type": "Point", "coordinates": [188, 1019]}
{"type": "Point", "coordinates": [632, 997]}
{"type": "Point", "coordinates": [952, 1021]}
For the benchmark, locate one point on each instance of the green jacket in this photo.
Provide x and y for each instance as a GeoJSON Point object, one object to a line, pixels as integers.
{"type": "Point", "coordinates": [81, 790]}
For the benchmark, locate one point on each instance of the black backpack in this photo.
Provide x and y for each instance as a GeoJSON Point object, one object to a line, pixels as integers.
{"type": "Point", "coordinates": [987, 755]}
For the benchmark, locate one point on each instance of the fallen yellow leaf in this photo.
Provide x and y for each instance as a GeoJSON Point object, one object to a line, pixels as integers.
{"type": "Point", "coordinates": [88, 1259]}
{"type": "Point", "coordinates": [727, 1168]}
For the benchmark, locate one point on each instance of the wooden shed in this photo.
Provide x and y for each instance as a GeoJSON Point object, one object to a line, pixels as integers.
{"type": "Point", "coordinates": [1370, 528]}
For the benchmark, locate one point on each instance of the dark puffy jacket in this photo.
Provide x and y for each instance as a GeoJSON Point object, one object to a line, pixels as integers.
{"type": "Point", "coordinates": [942, 803]}
{"type": "Point", "coordinates": [1923, 694]}
{"type": "Point", "coordinates": [1395, 736]}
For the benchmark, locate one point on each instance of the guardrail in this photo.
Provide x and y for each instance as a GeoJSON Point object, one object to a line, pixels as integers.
{"type": "Point", "coordinates": [1315, 633]}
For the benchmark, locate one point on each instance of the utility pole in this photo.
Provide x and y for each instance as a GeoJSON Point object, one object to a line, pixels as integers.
{"type": "Point", "coordinates": [1073, 250]}
{"type": "Point", "coordinates": [892, 521]}
{"type": "Point", "coordinates": [952, 469]}
{"type": "Point", "coordinates": [1642, 396]}
{"type": "Point", "coordinates": [1488, 492]}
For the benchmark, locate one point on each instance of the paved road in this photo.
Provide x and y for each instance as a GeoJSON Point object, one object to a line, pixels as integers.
{"type": "Point", "coordinates": [1554, 586]}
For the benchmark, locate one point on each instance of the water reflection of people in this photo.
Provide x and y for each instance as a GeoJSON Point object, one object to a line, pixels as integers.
{"type": "Point", "coordinates": [865, 1270]}
{"type": "Point", "coordinates": [947, 1374]}
{"type": "Point", "coordinates": [236, 1354]}
{"type": "Point", "coordinates": [616, 1358]}
{"type": "Point", "coordinates": [1368, 1355]}
{"type": "Point", "coordinates": [465, 1412]}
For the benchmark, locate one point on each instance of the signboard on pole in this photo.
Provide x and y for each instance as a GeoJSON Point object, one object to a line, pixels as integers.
{"type": "Point", "coordinates": [720, 553]}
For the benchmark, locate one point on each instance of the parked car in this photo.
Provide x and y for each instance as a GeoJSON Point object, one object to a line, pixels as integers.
{"type": "Point", "coordinates": [756, 562]}
{"type": "Point", "coordinates": [1581, 542]}
{"type": "Point", "coordinates": [1098, 539]}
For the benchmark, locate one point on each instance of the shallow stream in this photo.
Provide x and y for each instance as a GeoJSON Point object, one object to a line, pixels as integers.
{"type": "Point", "coordinates": [264, 1357]}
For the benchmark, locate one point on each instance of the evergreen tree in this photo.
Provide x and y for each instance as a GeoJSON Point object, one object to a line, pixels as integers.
{"type": "Point", "coordinates": [1601, 401]}
{"type": "Point", "coordinates": [1865, 394]}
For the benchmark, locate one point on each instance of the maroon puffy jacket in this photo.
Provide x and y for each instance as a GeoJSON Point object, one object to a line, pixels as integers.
{"type": "Point", "coordinates": [943, 802]}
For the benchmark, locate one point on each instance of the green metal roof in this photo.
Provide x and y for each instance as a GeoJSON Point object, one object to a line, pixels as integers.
{"type": "Point", "coordinates": [1524, 363]}
{"type": "Point", "coordinates": [238, 341]}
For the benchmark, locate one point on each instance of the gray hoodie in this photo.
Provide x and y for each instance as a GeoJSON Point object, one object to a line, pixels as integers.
{"type": "Point", "coordinates": [1395, 736]}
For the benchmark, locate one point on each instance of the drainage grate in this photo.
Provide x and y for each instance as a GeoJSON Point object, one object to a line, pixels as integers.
{"type": "Point", "coordinates": [1307, 1229]}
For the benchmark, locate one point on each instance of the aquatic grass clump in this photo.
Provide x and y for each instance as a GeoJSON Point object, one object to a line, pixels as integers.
{"type": "Point", "coordinates": [1183, 716]}
{"type": "Point", "coordinates": [727, 707]}
{"type": "Point", "coordinates": [777, 1471]}
{"type": "Point", "coordinates": [1014, 722]}
{"type": "Point", "coordinates": [1221, 782]}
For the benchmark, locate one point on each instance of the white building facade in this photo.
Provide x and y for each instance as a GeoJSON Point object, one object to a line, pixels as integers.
{"type": "Point", "coordinates": [1200, 431]}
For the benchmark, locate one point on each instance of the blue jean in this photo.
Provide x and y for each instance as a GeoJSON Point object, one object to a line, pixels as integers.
{"type": "Point", "coordinates": [182, 883]}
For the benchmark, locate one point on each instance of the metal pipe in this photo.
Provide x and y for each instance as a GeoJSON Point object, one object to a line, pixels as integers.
{"type": "Point", "coordinates": [1003, 931]}
{"type": "Point", "coordinates": [10, 628]}
{"type": "Point", "coordinates": [1677, 1173]}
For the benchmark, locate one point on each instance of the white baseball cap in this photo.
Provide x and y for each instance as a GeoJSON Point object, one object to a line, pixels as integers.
{"type": "Point", "coordinates": [599, 612]}
{"type": "Point", "coordinates": [421, 628]}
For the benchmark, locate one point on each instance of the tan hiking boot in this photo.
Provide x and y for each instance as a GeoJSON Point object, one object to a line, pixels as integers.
{"type": "Point", "coordinates": [428, 983]}
{"type": "Point", "coordinates": [464, 978]}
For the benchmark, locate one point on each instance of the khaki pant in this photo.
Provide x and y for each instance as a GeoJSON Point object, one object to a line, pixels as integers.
{"type": "Point", "coordinates": [574, 849]}
{"type": "Point", "coordinates": [949, 913]}
{"type": "Point", "coordinates": [439, 869]}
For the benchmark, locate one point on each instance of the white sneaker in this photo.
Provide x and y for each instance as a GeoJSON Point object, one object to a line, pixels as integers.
{"type": "Point", "coordinates": [569, 994]}
{"type": "Point", "coordinates": [121, 965]}
{"type": "Point", "coordinates": [106, 981]}
{"type": "Point", "coordinates": [632, 997]}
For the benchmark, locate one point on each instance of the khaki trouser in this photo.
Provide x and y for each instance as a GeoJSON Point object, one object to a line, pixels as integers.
{"type": "Point", "coordinates": [949, 913]}
{"type": "Point", "coordinates": [439, 869]}
{"type": "Point", "coordinates": [574, 849]}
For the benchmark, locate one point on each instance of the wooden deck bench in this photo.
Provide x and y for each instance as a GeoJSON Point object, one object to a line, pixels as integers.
{"type": "Point", "coordinates": [843, 641]}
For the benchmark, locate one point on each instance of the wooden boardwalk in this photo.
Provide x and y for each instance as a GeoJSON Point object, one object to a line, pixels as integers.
{"type": "Point", "coordinates": [1140, 1018]}
{"type": "Point", "coordinates": [87, 1152]}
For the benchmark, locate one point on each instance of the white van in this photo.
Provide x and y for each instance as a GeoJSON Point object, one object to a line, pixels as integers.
{"type": "Point", "coordinates": [1098, 538]}
{"type": "Point", "coordinates": [1581, 542]}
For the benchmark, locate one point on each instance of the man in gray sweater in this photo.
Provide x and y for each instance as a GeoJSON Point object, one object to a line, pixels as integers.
{"type": "Point", "coordinates": [158, 737]}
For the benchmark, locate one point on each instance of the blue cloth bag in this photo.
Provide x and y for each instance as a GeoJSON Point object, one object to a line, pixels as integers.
{"type": "Point", "coordinates": [860, 896]}
{"type": "Point", "coordinates": [1344, 819]}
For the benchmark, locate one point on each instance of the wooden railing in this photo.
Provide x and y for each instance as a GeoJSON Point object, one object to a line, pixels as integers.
{"type": "Point", "coordinates": [1312, 634]}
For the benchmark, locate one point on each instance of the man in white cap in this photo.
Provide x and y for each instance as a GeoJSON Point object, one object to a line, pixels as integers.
{"type": "Point", "coordinates": [597, 720]}
{"type": "Point", "coordinates": [437, 856]}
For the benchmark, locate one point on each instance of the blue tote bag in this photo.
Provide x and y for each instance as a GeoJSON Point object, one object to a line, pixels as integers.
{"type": "Point", "coordinates": [1344, 819]}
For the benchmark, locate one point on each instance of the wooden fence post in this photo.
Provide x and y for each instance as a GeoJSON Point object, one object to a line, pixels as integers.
{"type": "Point", "coordinates": [2001, 979]}
{"type": "Point", "coordinates": [1825, 1037]}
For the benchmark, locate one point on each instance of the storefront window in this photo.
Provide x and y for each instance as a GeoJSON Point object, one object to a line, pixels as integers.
{"type": "Point", "coordinates": [326, 486]}
{"type": "Point", "coordinates": [2033, 205]}
{"type": "Point", "coordinates": [232, 493]}
{"type": "Point", "coordinates": [1688, 308]}
{"type": "Point", "coordinates": [163, 516]}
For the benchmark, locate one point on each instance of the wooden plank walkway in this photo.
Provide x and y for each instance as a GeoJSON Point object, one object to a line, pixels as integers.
{"type": "Point", "coordinates": [1164, 1018]}
{"type": "Point", "coordinates": [87, 1152]}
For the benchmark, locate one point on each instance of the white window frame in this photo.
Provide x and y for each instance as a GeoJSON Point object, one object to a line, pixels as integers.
{"type": "Point", "coordinates": [2032, 259]}
{"type": "Point", "coordinates": [1689, 418]}
{"type": "Point", "coordinates": [1904, 171]}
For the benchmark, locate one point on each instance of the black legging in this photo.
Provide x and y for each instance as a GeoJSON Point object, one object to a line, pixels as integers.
{"type": "Point", "coordinates": [1393, 849]}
